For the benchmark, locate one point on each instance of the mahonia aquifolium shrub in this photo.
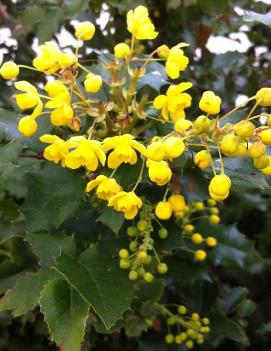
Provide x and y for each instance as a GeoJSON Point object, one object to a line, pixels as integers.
{"type": "Point", "coordinates": [120, 133]}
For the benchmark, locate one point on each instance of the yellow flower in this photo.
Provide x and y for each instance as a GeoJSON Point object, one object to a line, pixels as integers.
{"type": "Point", "coordinates": [93, 83]}
{"type": "Point", "coordinates": [30, 98]}
{"type": "Point", "coordinates": [61, 100]}
{"type": "Point", "coordinates": [177, 202]}
{"type": "Point", "coordinates": [163, 210]}
{"type": "Point", "coordinates": [27, 126]}
{"type": "Point", "coordinates": [219, 187]}
{"type": "Point", "coordinates": [9, 70]}
{"type": "Point", "coordinates": [85, 30]}
{"type": "Point", "coordinates": [174, 147]}
{"type": "Point", "coordinates": [267, 170]}
{"type": "Point", "coordinates": [58, 149]}
{"type": "Point", "coordinates": [263, 97]}
{"type": "Point", "coordinates": [84, 152]}
{"type": "Point", "coordinates": [122, 51]}
{"type": "Point", "coordinates": [124, 147]}
{"type": "Point", "coordinates": [140, 25]}
{"type": "Point", "coordinates": [156, 151]}
{"type": "Point", "coordinates": [182, 124]}
{"type": "Point", "coordinates": [210, 103]}
{"type": "Point", "coordinates": [203, 159]}
{"type": "Point", "coordinates": [174, 102]}
{"type": "Point", "coordinates": [176, 61]}
{"type": "Point", "coordinates": [128, 203]}
{"type": "Point", "coordinates": [52, 59]}
{"type": "Point", "coordinates": [106, 187]}
{"type": "Point", "coordinates": [163, 51]}
{"type": "Point", "coordinates": [159, 172]}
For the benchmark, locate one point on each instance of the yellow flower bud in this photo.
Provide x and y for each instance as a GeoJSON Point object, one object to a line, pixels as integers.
{"type": "Point", "coordinates": [178, 202]}
{"type": "Point", "coordinates": [267, 170]}
{"type": "Point", "coordinates": [257, 149]}
{"type": "Point", "coordinates": [163, 51]}
{"type": "Point", "coordinates": [261, 162]}
{"type": "Point", "coordinates": [202, 124]}
{"type": "Point", "coordinates": [214, 219]}
{"type": "Point", "coordinates": [9, 70]}
{"type": "Point", "coordinates": [229, 144]}
{"type": "Point", "coordinates": [200, 255]}
{"type": "Point", "coordinates": [211, 241]}
{"type": "Point", "coordinates": [210, 103]}
{"type": "Point", "coordinates": [159, 172]}
{"type": "Point", "coordinates": [93, 83]}
{"type": "Point", "coordinates": [174, 147]}
{"type": "Point", "coordinates": [219, 187]}
{"type": "Point", "coordinates": [203, 159]}
{"type": "Point", "coordinates": [265, 135]}
{"type": "Point", "coordinates": [263, 97]}
{"type": "Point", "coordinates": [197, 238]}
{"type": "Point", "coordinates": [244, 128]}
{"type": "Point", "coordinates": [182, 124]}
{"type": "Point", "coordinates": [85, 30]}
{"type": "Point", "coordinates": [27, 126]}
{"type": "Point", "coordinates": [122, 51]}
{"type": "Point", "coordinates": [163, 210]}
{"type": "Point", "coordinates": [155, 151]}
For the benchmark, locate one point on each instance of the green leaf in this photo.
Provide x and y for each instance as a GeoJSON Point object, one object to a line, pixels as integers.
{"type": "Point", "coordinates": [100, 282]}
{"type": "Point", "coordinates": [226, 328]}
{"type": "Point", "coordinates": [155, 77]}
{"type": "Point", "coordinates": [73, 8]}
{"type": "Point", "coordinates": [25, 294]}
{"type": "Point", "coordinates": [111, 218]}
{"type": "Point", "coordinates": [252, 16]}
{"type": "Point", "coordinates": [48, 246]}
{"type": "Point", "coordinates": [54, 194]}
{"type": "Point", "coordinates": [231, 299]}
{"type": "Point", "coordinates": [8, 124]}
{"type": "Point", "coordinates": [49, 24]}
{"type": "Point", "coordinates": [65, 313]}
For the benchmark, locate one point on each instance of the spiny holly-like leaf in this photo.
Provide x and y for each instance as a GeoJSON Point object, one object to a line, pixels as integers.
{"type": "Point", "coordinates": [99, 281]}
{"type": "Point", "coordinates": [65, 313]}
{"type": "Point", "coordinates": [47, 246]}
{"type": "Point", "coordinates": [223, 327]}
{"type": "Point", "coordinates": [25, 294]}
{"type": "Point", "coordinates": [111, 218]}
{"type": "Point", "coordinates": [54, 194]}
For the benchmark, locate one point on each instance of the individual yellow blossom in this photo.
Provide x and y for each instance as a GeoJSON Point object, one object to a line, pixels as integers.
{"type": "Point", "coordinates": [210, 103]}
{"type": "Point", "coordinates": [128, 203]}
{"type": "Point", "coordinates": [174, 147]}
{"type": "Point", "coordinates": [219, 187]}
{"type": "Point", "coordinates": [177, 202]}
{"type": "Point", "coordinates": [163, 210]}
{"type": "Point", "coordinates": [122, 51]}
{"type": "Point", "coordinates": [159, 172]}
{"type": "Point", "coordinates": [203, 159]}
{"type": "Point", "coordinates": [9, 70]}
{"type": "Point", "coordinates": [140, 25]}
{"type": "Point", "coordinates": [58, 149]}
{"type": "Point", "coordinates": [156, 151]}
{"type": "Point", "coordinates": [182, 124]}
{"type": "Point", "coordinates": [176, 61]}
{"type": "Point", "coordinates": [52, 59]}
{"type": "Point", "coordinates": [267, 170]}
{"type": "Point", "coordinates": [61, 100]}
{"type": "Point", "coordinates": [263, 97]}
{"type": "Point", "coordinates": [106, 187]}
{"type": "Point", "coordinates": [27, 126]}
{"type": "Point", "coordinates": [85, 30]}
{"type": "Point", "coordinates": [124, 150]}
{"type": "Point", "coordinates": [265, 136]}
{"type": "Point", "coordinates": [30, 98]}
{"type": "Point", "coordinates": [174, 102]}
{"type": "Point", "coordinates": [163, 51]}
{"type": "Point", "coordinates": [84, 152]}
{"type": "Point", "coordinates": [93, 83]}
